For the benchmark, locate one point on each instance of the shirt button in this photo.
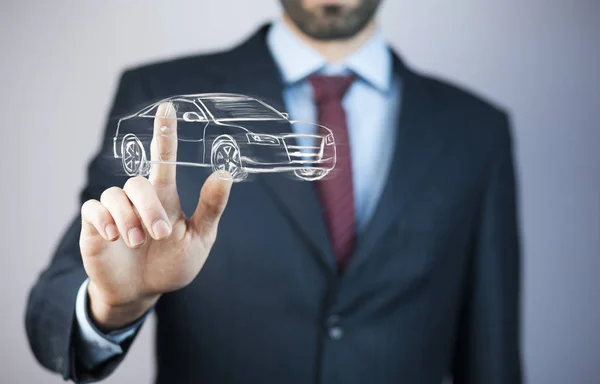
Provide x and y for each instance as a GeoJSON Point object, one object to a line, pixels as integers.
{"type": "Point", "coordinates": [336, 333]}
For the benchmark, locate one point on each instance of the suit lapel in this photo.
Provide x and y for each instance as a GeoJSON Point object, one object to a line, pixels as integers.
{"type": "Point", "coordinates": [416, 149]}
{"type": "Point", "coordinates": [259, 77]}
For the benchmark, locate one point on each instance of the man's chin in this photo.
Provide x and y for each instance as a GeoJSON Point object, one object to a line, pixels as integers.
{"type": "Point", "coordinates": [331, 22]}
{"type": "Point", "coordinates": [330, 35]}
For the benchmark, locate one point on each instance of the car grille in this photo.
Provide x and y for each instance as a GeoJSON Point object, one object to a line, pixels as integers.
{"type": "Point", "coordinates": [303, 154]}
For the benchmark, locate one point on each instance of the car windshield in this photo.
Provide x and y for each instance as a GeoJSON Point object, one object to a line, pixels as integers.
{"type": "Point", "coordinates": [225, 108]}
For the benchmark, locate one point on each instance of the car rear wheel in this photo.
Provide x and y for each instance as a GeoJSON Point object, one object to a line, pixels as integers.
{"type": "Point", "coordinates": [133, 156]}
{"type": "Point", "coordinates": [225, 156]}
{"type": "Point", "coordinates": [311, 174]}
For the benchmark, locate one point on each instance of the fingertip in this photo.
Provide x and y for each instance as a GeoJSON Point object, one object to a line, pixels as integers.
{"type": "Point", "coordinates": [223, 176]}
{"type": "Point", "coordinates": [222, 182]}
{"type": "Point", "coordinates": [213, 200]}
{"type": "Point", "coordinates": [215, 192]}
{"type": "Point", "coordinates": [218, 183]}
{"type": "Point", "coordinates": [165, 109]}
{"type": "Point", "coordinates": [96, 220]}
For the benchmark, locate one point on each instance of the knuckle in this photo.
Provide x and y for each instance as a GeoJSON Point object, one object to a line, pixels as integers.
{"type": "Point", "coordinates": [146, 210]}
{"type": "Point", "coordinates": [167, 154]}
{"type": "Point", "coordinates": [127, 218]}
{"type": "Point", "coordinates": [87, 207]}
{"type": "Point", "coordinates": [134, 183]}
{"type": "Point", "coordinates": [109, 193]}
{"type": "Point", "coordinates": [152, 212]}
{"type": "Point", "coordinates": [162, 181]}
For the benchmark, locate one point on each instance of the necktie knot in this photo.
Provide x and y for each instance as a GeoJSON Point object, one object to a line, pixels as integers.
{"type": "Point", "coordinates": [330, 88]}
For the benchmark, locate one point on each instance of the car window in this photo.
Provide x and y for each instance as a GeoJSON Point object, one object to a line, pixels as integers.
{"type": "Point", "coordinates": [239, 108]}
{"type": "Point", "coordinates": [181, 107]}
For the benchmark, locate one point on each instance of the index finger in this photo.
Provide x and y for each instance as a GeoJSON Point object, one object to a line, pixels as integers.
{"type": "Point", "coordinates": [163, 150]}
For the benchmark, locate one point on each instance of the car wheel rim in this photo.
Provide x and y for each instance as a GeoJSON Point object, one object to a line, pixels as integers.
{"type": "Point", "coordinates": [132, 159]}
{"type": "Point", "coordinates": [227, 158]}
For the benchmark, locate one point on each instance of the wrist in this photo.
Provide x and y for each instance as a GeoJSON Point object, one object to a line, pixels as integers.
{"type": "Point", "coordinates": [109, 317]}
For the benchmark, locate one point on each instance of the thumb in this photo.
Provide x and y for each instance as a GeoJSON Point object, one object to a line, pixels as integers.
{"type": "Point", "coordinates": [213, 199]}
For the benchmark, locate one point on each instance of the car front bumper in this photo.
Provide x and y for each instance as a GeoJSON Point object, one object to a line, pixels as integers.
{"type": "Point", "coordinates": [291, 155]}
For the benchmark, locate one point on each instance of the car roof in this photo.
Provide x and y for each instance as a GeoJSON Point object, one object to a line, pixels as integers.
{"type": "Point", "coordinates": [214, 96]}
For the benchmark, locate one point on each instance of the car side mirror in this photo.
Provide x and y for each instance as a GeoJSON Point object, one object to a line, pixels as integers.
{"type": "Point", "coordinates": [286, 115]}
{"type": "Point", "coordinates": [191, 117]}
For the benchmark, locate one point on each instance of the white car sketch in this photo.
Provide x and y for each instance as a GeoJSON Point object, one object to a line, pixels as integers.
{"type": "Point", "coordinates": [236, 133]}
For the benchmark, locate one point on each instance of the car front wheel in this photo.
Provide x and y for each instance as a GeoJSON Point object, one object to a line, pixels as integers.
{"type": "Point", "coordinates": [133, 156]}
{"type": "Point", "coordinates": [225, 156]}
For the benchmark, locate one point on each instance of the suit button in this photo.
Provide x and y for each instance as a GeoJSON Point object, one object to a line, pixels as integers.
{"type": "Point", "coordinates": [336, 333]}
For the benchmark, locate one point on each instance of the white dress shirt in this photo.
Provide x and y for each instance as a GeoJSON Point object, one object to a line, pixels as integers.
{"type": "Point", "coordinates": [372, 107]}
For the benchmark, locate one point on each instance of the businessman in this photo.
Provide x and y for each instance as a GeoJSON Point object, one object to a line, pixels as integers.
{"type": "Point", "coordinates": [402, 268]}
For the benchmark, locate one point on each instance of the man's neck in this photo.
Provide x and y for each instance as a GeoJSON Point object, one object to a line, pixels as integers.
{"type": "Point", "coordinates": [335, 50]}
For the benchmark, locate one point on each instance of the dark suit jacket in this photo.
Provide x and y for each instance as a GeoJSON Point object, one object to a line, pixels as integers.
{"type": "Point", "coordinates": [431, 290]}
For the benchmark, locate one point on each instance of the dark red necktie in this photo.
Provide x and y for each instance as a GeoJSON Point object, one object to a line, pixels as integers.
{"type": "Point", "coordinates": [335, 191]}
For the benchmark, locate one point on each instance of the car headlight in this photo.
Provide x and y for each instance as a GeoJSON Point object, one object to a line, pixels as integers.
{"type": "Point", "coordinates": [329, 139]}
{"type": "Point", "coordinates": [259, 138]}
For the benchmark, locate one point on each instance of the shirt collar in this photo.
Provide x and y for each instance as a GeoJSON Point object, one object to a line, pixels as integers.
{"type": "Point", "coordinates": [296, 60]}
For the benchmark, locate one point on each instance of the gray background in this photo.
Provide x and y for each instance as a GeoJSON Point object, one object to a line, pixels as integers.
{"type": "Point", "coordinates": [59, 63]}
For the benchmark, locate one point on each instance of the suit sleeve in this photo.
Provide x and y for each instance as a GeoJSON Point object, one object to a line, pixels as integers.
{"type": "Point", "coordinates": [50, 314]}
{"type": "Point", "coordinates": [488, 341]}
{"type": "Point", "coordinates": [94, 348]}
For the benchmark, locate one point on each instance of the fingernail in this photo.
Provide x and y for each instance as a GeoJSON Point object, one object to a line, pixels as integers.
{"type": "Point", "coordinates": [111, 231]}
{"type": "Point", "coordinates": [161, 229]}
{"type": "Point", "coordinates": [136, 236]}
